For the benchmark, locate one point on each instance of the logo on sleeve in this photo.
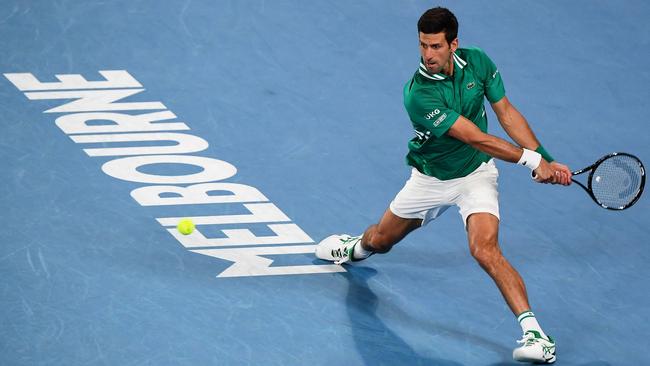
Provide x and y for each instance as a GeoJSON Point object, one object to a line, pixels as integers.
{"type": "Point", "coordinates": [437, 122]}
{"type": "Point", "coordinates": [432, 114]}
{"type": "Point", "coordinates": [422, 137]}
{"type": "Point", "coordinates": [495, 74]}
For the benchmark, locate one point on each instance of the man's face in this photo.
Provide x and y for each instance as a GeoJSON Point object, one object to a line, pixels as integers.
{"type": "Point", "coordinates": [436, 52]}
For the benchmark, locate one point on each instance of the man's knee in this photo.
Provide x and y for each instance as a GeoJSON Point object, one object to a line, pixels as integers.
{"type": "Point", "coordinates": [378, 241]}
{"type": "Point", "coordinates": [391, 229]}
{"type": "Point", "coordinates": [485, 249]}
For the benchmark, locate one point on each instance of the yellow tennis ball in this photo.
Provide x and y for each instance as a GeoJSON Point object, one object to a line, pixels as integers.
{"type": "Point", "coordinates": [185, 226]}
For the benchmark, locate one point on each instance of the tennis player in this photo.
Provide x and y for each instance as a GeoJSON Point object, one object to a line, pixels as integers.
{"type": "Point", "coordinates": [452, 159]}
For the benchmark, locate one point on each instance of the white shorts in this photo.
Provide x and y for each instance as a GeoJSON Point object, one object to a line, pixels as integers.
{"type": "Point", "coordinates": [424, 197]}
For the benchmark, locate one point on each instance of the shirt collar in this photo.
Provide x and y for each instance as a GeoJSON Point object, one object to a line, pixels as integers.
{"type": "Point", "coordinates": [460, 63]}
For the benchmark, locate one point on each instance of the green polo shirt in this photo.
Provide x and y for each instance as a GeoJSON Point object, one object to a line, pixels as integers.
{"type": "Point", "coordinates": [435, 101]}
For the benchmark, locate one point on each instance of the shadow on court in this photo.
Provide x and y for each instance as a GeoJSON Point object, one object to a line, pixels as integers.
{"type": "Point", "coordinates": [375, 342]}
{"type": "Point", "coordinates": [379, 345]}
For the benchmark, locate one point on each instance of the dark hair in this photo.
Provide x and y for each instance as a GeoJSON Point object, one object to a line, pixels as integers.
{"type": "Point", "coordinates": [438, 20]}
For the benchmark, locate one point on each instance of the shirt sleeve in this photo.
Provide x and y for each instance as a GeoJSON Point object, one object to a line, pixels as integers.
{"type": "Point", "coordinates": [431, 112]}
{"type": "Point", "coordinates": [494, 89]}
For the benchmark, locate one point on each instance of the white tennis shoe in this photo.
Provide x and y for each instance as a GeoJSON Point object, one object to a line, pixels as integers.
{"type": "Point", "coordinates": [535, 348]}
{"type": "Point", "coordinates": [337, 248]}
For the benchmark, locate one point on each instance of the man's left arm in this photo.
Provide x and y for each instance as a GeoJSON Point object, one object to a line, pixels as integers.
{"type": "Point", "coordinates": [516, 126]}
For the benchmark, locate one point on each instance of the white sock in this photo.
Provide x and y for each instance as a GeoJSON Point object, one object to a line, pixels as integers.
{"type": "Point", "coordinates": [528, 321]}
{"type": "Point", "coordinates": [359, 251]}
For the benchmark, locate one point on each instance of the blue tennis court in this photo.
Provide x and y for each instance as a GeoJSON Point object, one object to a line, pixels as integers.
{"type": "Point", "coordinates": [273, 124]}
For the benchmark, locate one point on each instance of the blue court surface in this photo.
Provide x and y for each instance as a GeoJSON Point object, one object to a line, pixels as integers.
{"type": "Point", "coordinates": [274, 124]}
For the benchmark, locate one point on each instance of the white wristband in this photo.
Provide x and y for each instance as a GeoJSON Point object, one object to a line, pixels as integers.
{"type": "Point", "coordinates": [530, 159]}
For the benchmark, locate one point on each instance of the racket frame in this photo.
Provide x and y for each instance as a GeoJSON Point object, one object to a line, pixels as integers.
{"type": "Point", "coordinates": [592, 169]}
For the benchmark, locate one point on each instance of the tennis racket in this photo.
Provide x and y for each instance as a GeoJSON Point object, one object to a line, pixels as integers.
{"type": "Point", "coordinates": [615, 181]}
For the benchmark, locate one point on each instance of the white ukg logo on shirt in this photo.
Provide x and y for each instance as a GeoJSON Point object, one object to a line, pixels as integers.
{"type": "Point", "coordinates": [432, 114]}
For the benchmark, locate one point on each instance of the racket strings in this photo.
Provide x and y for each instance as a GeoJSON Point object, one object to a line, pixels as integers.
{"type": "Point", "coordinates": [616, 181]}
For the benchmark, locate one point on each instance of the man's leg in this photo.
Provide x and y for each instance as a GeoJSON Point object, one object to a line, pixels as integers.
{"type": "Point", "coordinates": [422, 197]}
{"type": "Point", "coordinates": [377, 238]}
{"type": "Point", "coordinates": [483, 233]}
{"type": "Point", "coordinates": [390, 230]}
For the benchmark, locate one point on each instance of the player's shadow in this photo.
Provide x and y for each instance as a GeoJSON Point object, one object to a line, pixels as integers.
{"type": "Point", "coordinates": [375, 342]}
{"type": "Point", "coordinates": [378, 345]}
{"type": "Point", "coordinates": [483, 342]}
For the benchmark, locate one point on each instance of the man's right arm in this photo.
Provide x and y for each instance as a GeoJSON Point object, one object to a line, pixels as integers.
{"type": "Point", "coordinates": [429, 110]}
{"type": "Point", "coordinates": [467, 132]}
